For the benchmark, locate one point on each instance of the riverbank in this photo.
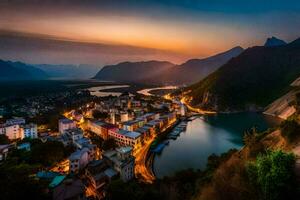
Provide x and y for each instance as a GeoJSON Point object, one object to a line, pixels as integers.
{"type": "Point", "coordinates": [132, 88]}
{"type": "Point", "coordinates": [206, 135]}
{"type": "Point", "coordinates": [161, 137]}
{"type": "Point", "coordinates": [144, 157]}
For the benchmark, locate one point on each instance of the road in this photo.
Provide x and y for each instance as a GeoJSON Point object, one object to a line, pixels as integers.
{"type": "Point", "coordinates": [197, 110]}
{"type": "Point", "coordinates": [183, 100]}
{"type": "Point", "coordinates": [141, 169]}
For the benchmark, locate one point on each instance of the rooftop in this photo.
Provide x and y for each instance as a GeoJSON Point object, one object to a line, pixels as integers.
{"type": "Point", "coordinates": [110, 172]}
{"type": "Point", "coordinates": [124, 149]}
{"type": "Point", "coordinates": [133, 134]}
{"type": "Point", "coordinates": [57, 180]}
{"type": "Point", "coordinates": [104, 124]}
{"type": "Point", "coordinates": [65, 121]}
{"type": "Point", "coordinates": [77, 154]}
{"type": "Point", "coordinates": [130, 134]}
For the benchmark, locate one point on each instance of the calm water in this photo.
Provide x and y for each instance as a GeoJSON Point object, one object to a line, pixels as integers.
{"type": "Point", "coordinates": [204, 136]}
{"type": "Point", "coordinates": [97, 91]}
{"type": "Point", "coordinates": [147, 91]}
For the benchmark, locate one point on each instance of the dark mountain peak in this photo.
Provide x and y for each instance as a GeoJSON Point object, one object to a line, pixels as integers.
{"type": "Point", "coordinates": [254, 77]}
{"type": "Point", "coordinates": [296, 42]}
{"type": "Point", "coordinates": [226, 55]}
{"type": "Point", "coordinates": [135, 72]}
{"type": "Point", "coordinates": [165, 72]}
{"type": "Point", "coordinates": [10, 70]}
{"type": "Point", "coordinates": [237, 48]}
{"type": "Point", "coordinates": [273, 41]}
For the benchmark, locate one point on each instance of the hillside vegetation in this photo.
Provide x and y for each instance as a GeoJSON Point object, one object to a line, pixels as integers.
{"type": "Point", "coordinates": [249, 81]}
{"type": "Point", "coordinates": [161, 72]}
{"type": "Point", "coordinates": [262, 170]}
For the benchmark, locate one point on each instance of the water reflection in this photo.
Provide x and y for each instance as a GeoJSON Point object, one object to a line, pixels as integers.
{"type": "Point", "coordinates": [97, 91]}
{"type": "Point", "coordinates": [204, 136]}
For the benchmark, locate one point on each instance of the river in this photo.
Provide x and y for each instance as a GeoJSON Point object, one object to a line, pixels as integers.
{"type": "Point", "coordinates": [148, 90]}
{"type": "Point", "coordinates": [97, 91]}
{"type": "Point", "coordinates": [204, 136]}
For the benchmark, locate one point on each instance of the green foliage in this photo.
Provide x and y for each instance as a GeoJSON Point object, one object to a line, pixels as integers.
{"type": "Point", "coordinates": [180, 186]}
{"type": "Point", "coordinates": [99, 115]}
{"type": "Point", "coordinates": [131, 190]}
{"type": "Point", "coordinates": [96, 139]}
{"type": "Point", "coordinates": [42, 154]}
{"type": "Point", "coordinates": [17, 172]}
{"type": "Point", "coordinates": [47, 153]}
{"type": "Point", "coordinates": [256, 77]}
{"type": "Point", "coordinates": [252, 141]}
{"type": "Point", "coordinates": [213, 162]}
{"type": "Point", "coordinates": [272, 175]}
{"type": "Point", "coordinates": [17, 182]}
{"type": "Point", "coordinates": [4, 139]}
{"type": "Point", "coordinates": [290, 129]}
{"type": "Point", "coordinates": [109, 144]}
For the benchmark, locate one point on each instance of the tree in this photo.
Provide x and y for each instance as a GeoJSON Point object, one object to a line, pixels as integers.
{"type": "Point", "coordinates": [109, 144]}
{"type": "Point", "coordinates": [17, 182]}
{"type": "Point", "coordinates": [99, 115]}
{"type": "Point", "coordinates": [96, 139]}
{"type": "Point", "coordinates": [290, 129]}
{"type": "Point", "coordinates": [132, 190]}
{"type": "Point", "coordinates": [4, 139]}
{"type": "Point", "coordinates": [47, 153]}
{"type": "Point", "coordinates": [272, 175]}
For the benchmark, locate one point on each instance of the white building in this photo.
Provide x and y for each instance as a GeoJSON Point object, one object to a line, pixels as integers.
{"type": "Point", "coordinates": [29, 131]}
{"type": "Point", "coordinates": [122, 161]}
{"type": "Point", "coordinates": [74, 134]}
{"type": "Point", "coordinates": [78, 160]}
{"type": "Point", "coordinates": [126, 138]}
{"type": "Point", "coordinates": [65, 124]}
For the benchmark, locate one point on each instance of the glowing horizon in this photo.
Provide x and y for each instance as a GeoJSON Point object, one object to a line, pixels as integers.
{"type": "Point", "coordinates": [193, 29]}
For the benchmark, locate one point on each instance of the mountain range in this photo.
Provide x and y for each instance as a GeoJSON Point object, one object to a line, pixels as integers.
{"type": "Point", "coordinates": [249, 81]}
{"type": "Point", "coordinates": [163, 72]}
{"type": "Point", "coordinates": [273, 41]}
{"type": "Point", "coordinates": [20, 71]}
{"type": "Point", "coordinates": [81, 71]}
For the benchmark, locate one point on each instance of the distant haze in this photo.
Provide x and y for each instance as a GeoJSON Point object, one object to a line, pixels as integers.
{"type": "Point", "coordinates": [40, 49]}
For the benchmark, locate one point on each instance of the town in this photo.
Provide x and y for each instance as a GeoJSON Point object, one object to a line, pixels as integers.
{"type": "Point", "coordinates": [101, 139]}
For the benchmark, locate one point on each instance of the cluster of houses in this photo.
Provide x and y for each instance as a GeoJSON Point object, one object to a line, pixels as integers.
{"type": "Point", "coordinates": [134, 132]}
{"type": "Point", "coordinates": [70, 134]}
{"type": "Point", "coordinates": [118, 163]}
{"type": "Point", "coordinates": [129, 125]}
{"type": "Point", "coordinates": [17, 128]}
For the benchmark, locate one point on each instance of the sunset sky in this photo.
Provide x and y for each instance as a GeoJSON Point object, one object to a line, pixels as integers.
{"type": "Point", "coordinates": [172, 30]}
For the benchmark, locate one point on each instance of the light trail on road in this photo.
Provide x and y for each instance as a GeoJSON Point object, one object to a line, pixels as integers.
{"type": "Point", "coordinates": [140, 163]}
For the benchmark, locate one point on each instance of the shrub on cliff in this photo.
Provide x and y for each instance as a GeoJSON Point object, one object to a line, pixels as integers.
{"type": "Point", "coordinates": [272, 175]}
